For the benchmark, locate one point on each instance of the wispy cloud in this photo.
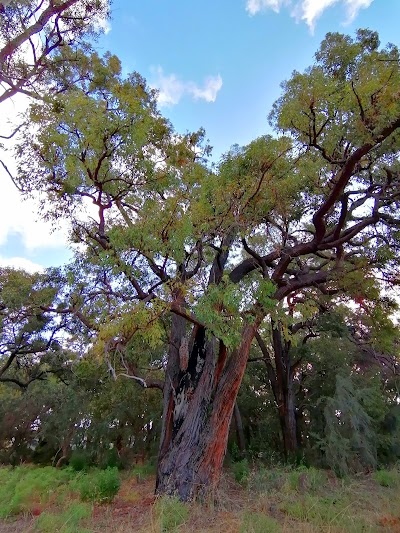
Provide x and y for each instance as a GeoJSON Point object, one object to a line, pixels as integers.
{"type": "Point", "coordinates": [19, 217]}
{"type": "Point", "coordinates": [172, 89]}
{"type": "Point", "coordinates": [102, 25]}
{"type": "Point", "coordinates": [308, 11]}
{"type": "Point", "coordinates": [21, 263]}
{"type": "Point", "coordinates": [254, 6]}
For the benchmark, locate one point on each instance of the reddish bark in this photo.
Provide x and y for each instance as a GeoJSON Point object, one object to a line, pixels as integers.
{"type": "Point", "coordinates": [191, 464]}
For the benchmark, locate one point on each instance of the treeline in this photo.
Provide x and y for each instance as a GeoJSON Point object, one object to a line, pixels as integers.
{"type": "Point", "coordinates": [59, 406]}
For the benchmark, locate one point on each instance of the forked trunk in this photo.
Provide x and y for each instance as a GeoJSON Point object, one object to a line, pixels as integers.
{"type": "Point", "coordinates": [281, 378]}
{"type": "Point", "coordinates": [198, 404]}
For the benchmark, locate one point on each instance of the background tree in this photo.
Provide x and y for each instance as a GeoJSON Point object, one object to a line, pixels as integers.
{"type": "Point", "coordinates": [31, 340]}
{"type": "Point", "coordinates": [33, 32]}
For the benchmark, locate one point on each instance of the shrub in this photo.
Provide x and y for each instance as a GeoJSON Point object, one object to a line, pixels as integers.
{"type": "Point", "coordinates": [25, 487]}
{"type": "Point", "coordinates": [241, 471]}
{"type": "Point", "coordinates": [99, 485]}
{"type": "Point", "coordinates": [110, 459]}
{"type": "Point", "coordinates": [387, 478]}
{"type": "Point", "coordinates": [171, 513]}
{"type": "Point", "coordinates": [80, 460]}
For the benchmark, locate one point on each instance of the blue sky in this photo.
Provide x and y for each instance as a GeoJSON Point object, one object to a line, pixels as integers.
{"type": "Point", "coordinates": [218, 65]}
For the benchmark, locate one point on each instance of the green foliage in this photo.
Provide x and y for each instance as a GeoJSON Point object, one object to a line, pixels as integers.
{"type": "Point", "coordinates": [241, 471]}
{"type": "Point", "coordinates": [23, 487]}
{"type": "Point", "coordinates": [387, 478]}
{"type": "Point", "coordinates": [267, 480]}
{"type": "Point", "coordinates": [80, 23]}
{"type": "Point", "coordinates": [350, 440]}
{"type": "Point", "coordinates": [80, 460]}
{"type": "Point", "coordinates": [218, 308]}
{"type": "Point", "coordinates": [144, 471]}
{"type": "Point", "coordinates": [171, 513]}
{"type": "Point", "coordinates": [259, 523]}
{"type": "Point", "coordinates": [99, 485]}
{"type": "Point", "coordinates": [67, 522]}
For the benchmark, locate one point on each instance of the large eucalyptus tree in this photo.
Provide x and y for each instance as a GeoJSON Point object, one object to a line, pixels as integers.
{"type": "Point", "coordinates": [314, 210]}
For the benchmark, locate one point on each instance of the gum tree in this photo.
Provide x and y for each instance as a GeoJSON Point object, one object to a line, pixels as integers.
{"type": "Point", "coordinates": [32, 32]}
{"type": "Point", "coordinates": [219, 252]}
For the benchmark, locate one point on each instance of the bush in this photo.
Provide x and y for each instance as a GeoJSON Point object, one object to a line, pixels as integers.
{"type": "Point", "coordinates": [241, 471]}
{"type": "Point", "coordinates": [171, 513]}
{"type": "Point", "coordinates": [80, 460]}
{"type": "Point", "coordinates": [25, 487]}
{"type": "Point", "coordinates": [110, 459]}
{"type": "Point", "coordinates": [387, 478]}
{"type": "Point", "coordinates": [99, 485]}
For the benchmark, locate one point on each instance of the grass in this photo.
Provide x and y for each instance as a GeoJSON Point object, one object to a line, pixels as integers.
{"type": "Point", "coordinates": [171, 514]}
{"type": "Point", "coordinates": [68, 521]}
{"type": "Point", "coordinates": [272, 500]}
{"type": "Point", "coordinates": [388, 478]}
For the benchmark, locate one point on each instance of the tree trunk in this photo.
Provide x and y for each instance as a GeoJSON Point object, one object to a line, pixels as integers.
{"type": "Point", "coordinates": [241, 441]}
{"type": "Point", "coordinates": [283, 391]}
{"type": "Point", "coordinates": [198, 407]}
{"type": "Point", "coordinates": [281, 378]}
{"type": "Point", "coordinates": [287, 418]}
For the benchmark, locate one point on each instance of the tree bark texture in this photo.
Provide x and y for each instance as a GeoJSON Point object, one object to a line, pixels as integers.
{"type": "Point", "coordinates": [283, 390]}
{"type": "Point", "coordinates": [241, 440]}
{"type": "Point", "coordinates": [198, 405]}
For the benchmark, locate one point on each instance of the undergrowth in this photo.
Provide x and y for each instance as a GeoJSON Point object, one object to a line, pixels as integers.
{"type": "Point", "coordinates": [25, 489]}
{"type": "Point", "coordinates": [279, 499]}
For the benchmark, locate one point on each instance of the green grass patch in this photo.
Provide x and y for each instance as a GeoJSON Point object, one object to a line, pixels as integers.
{"type": "Point", "coordinates": [327, 512]}
{"type": "Point", "coordinates": [387, 478]}
{"type": "Point", "coordinates": [144, 471]}
{"type": "Point", "coordinates": [171, 513]}
{"type": "Point", "coordinates": [304, 479]}
{"type": "Point", "coordinates": [25, 487]}
{"type": "Point", "coordinates": [99, 485]}
{"type": "Point", "coordinates": [70, 521]}
{"type": "Point", "coordinates": [259, 523]}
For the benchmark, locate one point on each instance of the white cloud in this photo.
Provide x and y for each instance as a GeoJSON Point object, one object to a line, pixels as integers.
{"type": "Point", "coordinates": [354, 6]}
{"type": "Point", "coordinates": [21, 263]}
{"type": "Point", "coordinates": [254, 6]}
{"type": "Point", "coordinates": [18, 216]}
{"type": "Point", "coordinates": [102, 25]}
{"type": "Point", "coordinates": [209, 91]}
{"type": "Point", "coordinates": [308, 11]}
{"type": "Point", "coordinates": [172, 89]}
{"type": "Point", "coordinates": [311, 10]}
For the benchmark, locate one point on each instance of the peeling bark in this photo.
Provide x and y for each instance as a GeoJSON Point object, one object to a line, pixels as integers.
{"type": "Point", "coordinates": [190, 464]}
